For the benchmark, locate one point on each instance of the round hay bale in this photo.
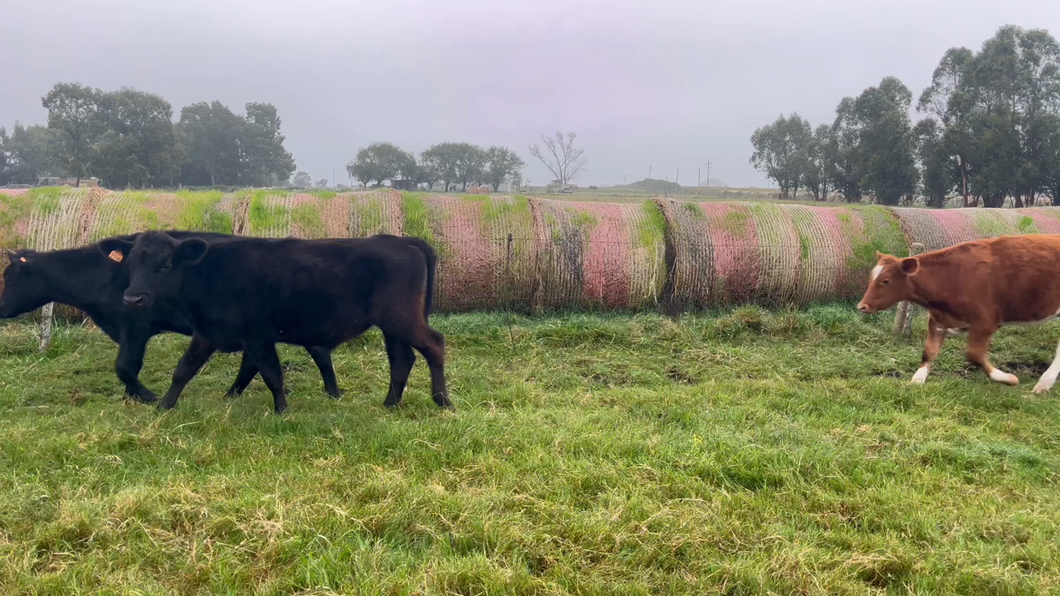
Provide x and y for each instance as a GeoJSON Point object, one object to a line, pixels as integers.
{"type": "Point", "coordinates": [731, 253]}
{"type": "Point", "coordinates": [940, 228]}
{"type": "Point", "coordinates": [692, 255]}
{"type": "Point", "coordinates": [478, 267]}
{"type": "Point", "coordinates": [823, 252]}
{"type": "Point", "coordinates": [599, 255]}
{"type": "Point", "coordinates": [375, 212]}
{"type": "Point", "coordinates": [1044, 220]}
{"type": "Point", "coordinates": [880, 231]}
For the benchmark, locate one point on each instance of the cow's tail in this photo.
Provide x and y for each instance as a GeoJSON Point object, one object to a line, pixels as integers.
{"type": "Point", "coordinates": [432, 265]}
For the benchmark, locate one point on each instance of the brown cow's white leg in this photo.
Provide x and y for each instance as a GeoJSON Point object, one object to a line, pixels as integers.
{"type": "Point", "coordinates": [936, 335]}
{"type": "Point", "coordinates": [1049, 377]}
{"type": "Point", "coordinates": [978, 350]}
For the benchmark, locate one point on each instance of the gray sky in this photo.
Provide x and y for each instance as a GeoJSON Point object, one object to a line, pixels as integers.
{"type": "Point", "coordinates": [666, 83]}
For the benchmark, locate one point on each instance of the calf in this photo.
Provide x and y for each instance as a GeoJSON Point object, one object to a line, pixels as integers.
{"type": "Point", "coordinates": [250, 293]}
{"type": "Point", "coordinates": [974, 287]}
{"type": "Point", "coordinates": [87, 279]}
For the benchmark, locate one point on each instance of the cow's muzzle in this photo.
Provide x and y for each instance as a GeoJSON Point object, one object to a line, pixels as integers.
{"type": "Point", "coordinates": [134, 299]}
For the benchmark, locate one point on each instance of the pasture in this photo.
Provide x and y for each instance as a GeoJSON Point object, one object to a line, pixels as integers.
{"type": "Point", "coordinates": [738, 451]}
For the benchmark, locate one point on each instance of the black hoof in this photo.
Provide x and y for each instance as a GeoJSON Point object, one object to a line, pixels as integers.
{"type": "Point", "coordinates": [143, 399]}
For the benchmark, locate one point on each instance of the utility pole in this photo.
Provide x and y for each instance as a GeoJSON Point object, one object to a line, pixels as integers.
{"type": "Point", "coordinates": [649, 172]}
{"type": "Point", "coordinates": [623, 179]}
{"type": "Point", "coordinates": [708, 173]}
{"type": "Point", "coordinates": [699, 177]}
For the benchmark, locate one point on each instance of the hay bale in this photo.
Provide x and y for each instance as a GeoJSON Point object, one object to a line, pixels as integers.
{"type": "Point", "coordinates": [599, 255]}
{"type": "Point", "coordinates": [478, 268]}
{"type": "Point", "coordinates": [731, 253]}
{"type": "Point", "coordinates": [375, 212]}
{"type": "Point", "coordinates": [939, 228]}
{"type": "Point", "coordinates": [281, 215]}
{"type": "Point", "coordinates": [1042, 220]}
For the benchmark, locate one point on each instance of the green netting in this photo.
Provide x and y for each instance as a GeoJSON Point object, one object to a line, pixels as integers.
{"type": "Point", "coordinates": [599, 255]}
{"type": "Point", "coordinates": [486, 254]}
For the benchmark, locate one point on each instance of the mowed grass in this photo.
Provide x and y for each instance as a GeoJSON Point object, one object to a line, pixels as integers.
{"type": "Point", "coordinates": [740, 452]}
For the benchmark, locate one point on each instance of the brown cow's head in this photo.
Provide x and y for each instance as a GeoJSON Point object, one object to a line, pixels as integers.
{"type": "Point", "coordinates": [889, 283]}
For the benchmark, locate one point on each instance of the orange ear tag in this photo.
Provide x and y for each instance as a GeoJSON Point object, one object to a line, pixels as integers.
{"type": "Point", "coordinates": [114, 256]}
{"type": "Point", "coordinates": [23, 259]}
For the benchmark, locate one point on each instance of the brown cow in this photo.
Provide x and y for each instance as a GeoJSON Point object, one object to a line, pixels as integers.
{"type": "Point", "coordinates": [974, 287]}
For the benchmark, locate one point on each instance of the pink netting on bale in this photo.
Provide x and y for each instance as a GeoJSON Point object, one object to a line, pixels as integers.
{"type": "Point", "coordinates": [486, 256]}
{"type": "Point", "coordinates": [939, 228]}
{"type": "Point", "coordinates": [602, 255]}
{"type": "Point", "coordinates": [1044, 220]}
{"type": "Point", "coordinates": [731, 253]}
{"type": "Point", "coordinates": [825, 250]}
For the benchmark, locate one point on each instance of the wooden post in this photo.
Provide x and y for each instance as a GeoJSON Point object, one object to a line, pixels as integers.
{"type": "Point", "coordinates": [904, 316]}
{"type": "Point", "coordinates": [46, 326]}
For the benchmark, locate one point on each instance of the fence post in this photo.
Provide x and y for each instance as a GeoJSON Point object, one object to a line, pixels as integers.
{"type": "Point", "coordinates": [46, 326]}
{"type": "Point", "coordinates": [904, 316]}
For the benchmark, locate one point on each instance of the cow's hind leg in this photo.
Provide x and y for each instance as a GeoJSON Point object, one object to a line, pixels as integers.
{"type": "Point", "coordinates": [431, 344]}
{"type": "Point", "coordinates": [198, 352]}
{"type": "Point", "coordinates": [401, 359]}
{"type": "Point", "coordinates": [264, 354]}
{"type": "Point", "coordinates": [978, 353]}
{"type": "Point", "coordinates": [322, 357]}
{"type": "Point", "coordinates": [130, 361]}
{"type": "Point", "coordinates": [1049, 377]}
{"type": "Point", "coordinates": [247, 371]}
{"type": "Point", "coordinates": [932, 345]}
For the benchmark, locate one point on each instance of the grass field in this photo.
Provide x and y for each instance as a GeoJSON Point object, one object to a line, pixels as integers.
{"type": "Point", "coordinates": [742, 452]}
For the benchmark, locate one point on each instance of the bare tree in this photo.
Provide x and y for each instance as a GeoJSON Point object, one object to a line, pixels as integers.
{"type": "Point", "coordinates": [560, 156]}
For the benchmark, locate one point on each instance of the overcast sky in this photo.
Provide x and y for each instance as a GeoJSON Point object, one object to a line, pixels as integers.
{"type": "Point", "coordinates": [665, 83]}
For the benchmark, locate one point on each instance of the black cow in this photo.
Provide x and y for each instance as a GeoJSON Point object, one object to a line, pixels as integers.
{"type": "Point", "coordinates": [250, 293]}
{"type": "Point", "coordinates": [87, 279]}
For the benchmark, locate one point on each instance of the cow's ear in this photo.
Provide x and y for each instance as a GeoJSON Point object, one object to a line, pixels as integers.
{"type": "Point", "coordinates": [115, 246]}
{"type": "Point", "coordinates": [879, 255]}
{"type": "Point", "coordinates": [190, 251]}
{"type": "Point", "coordinates": [910, 265]}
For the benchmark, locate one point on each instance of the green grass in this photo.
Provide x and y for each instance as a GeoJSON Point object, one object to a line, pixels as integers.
{"type": "Point", "coordinates": [200, 212]}
{"type": "Point", "coordinates": [264, 216]}
{"type": "Point", "coordinates": [417, 219]}
{"type": "Point", "coordinates": [736, 452]}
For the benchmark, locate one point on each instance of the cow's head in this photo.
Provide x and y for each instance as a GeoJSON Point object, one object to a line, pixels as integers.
{"type": "Point", "coordinates": [24, 288]}
{"type": "Point", "coordinates": [889, 283]}
{"type": "Point", "coordinates": [156, 264]}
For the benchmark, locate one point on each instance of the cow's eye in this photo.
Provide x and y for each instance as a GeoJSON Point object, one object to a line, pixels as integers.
{"type": "Point", "coordinates": [885, 282]}
{"type": "Point", "coordinates": [164, 268]}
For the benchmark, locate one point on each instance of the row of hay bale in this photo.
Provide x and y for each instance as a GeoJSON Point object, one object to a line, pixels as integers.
{"type": "Point", "coordinates": [532, 254]}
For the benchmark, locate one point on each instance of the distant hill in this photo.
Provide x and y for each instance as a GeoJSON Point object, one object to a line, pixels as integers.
{"type": "Point", "coordinates": [653, 185]}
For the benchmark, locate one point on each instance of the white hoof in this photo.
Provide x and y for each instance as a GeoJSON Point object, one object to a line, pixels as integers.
{"type": "Point", "coordinates": [1004, 378]}
{"type": "Point", "coordinates": [920, 376]}
{"type": "Point", "coordinates": [1044, 385]}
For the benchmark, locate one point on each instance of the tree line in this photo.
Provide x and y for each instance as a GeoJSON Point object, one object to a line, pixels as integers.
{"type": "Point", "coordinates": [127, 138]}
{"type": "Point", "coordinates": [988, 130]}
{"type": "Point", "coordinates": [459, 165]}
{"type": "Point", "coordinates": [452, 164]}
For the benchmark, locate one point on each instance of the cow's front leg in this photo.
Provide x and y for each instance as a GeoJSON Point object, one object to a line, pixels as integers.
{"type": "Point", "coordinates": [932, 345]}
{"type": "Point", "coordinates": [1049, 377]}
{"type": "Point", "coordinates": [978, 353]}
